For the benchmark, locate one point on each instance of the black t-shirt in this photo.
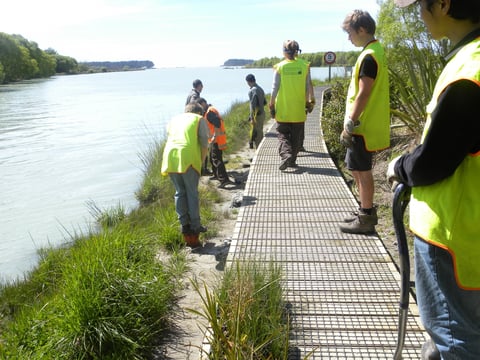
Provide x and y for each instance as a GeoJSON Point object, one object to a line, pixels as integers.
{"type": "Point", "coordinates": [368, 67]}
{"type": "Point", "coordinates": [454, 133]}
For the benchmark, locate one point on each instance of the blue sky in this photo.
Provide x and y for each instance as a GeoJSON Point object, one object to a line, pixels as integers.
{"type": "Point", "coordinates": [180, 32]}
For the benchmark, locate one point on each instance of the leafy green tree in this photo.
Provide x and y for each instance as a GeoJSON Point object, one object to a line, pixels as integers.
{"type": "Point", "coordinates": [66, 64]}
{"type": "Point", "coordinates": [414, 60]}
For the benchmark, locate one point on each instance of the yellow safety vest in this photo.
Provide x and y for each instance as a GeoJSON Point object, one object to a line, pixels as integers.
{"type": "Point", "coordinates": [375, 118]}
{"type": "Point", "coordinates": [447, 213]}
{"type": "Point", "coordinates": [291, 96]}
{"type": "Point", "coordinates": [183, 148]}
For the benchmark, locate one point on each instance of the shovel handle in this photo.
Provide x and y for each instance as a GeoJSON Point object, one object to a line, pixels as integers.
{"type": "Point", "coordinates": [401, 198]}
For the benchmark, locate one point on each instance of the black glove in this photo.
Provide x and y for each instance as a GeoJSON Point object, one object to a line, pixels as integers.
{"type": "Point", "coordinates": [272, 111]}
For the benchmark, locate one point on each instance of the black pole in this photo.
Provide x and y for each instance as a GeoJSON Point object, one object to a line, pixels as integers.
{"type": "Point", "coordinates": [401, 198]}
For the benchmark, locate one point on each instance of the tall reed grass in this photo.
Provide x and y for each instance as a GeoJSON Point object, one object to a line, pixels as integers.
{"type": "Point", "coordinates": [246, 315]}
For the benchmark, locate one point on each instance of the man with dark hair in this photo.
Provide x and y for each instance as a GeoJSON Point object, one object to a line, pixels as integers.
{"type": "Point", "coordinates": [256, 96]}
{"type": "Point", "coordinates": [195, 92]}
{"type": "Point", "coordinates": [444, 172]}
{"type": "Point", "coordinates": [367, 117]}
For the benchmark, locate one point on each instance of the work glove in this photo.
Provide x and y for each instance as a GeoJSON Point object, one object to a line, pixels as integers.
{"type": "Point", "coordinates": [391, 176]}
{"type": "Point", "coordinates": [349, 125]}
{"type": "Point", "coordinates": [309, 106]}
{"type": "Point", "coordinates": [346, 139]}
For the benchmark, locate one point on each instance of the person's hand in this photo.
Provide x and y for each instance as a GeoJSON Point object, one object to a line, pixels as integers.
{"type": "Point", "coordinates": [391, 176]}
{"type": "Point", "coordinates": [349, 125]}
{"type": "Point", "coordinates": [346, 139]}
{"type": "Point", "coordinates": [309, 106]}
{"type": "Point", "coordinates": [272, 110]}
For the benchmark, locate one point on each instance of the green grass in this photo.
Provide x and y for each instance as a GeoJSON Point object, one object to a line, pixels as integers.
{"type": "Point", "coordinates": [247, 315]}
{"type": "Point", "coordinates": [109, 294]}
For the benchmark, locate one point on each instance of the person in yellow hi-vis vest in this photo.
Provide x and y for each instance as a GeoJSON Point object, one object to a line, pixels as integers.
{"type": "Point", "coordinates": [444, 174]}
{"type": "Point", "coordinates": [367, 117]}
{"type": "Point", "coordinates": [184, 153]}
{"type": "Point", "coordinates": [292, 93]}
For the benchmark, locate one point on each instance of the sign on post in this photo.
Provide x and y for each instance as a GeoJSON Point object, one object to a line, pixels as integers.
{"type": "Point", "coordinates": [329, 59]}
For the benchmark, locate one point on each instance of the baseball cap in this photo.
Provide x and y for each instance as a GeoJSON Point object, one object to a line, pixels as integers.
{"type": "Point", "coordinates": [404, 3]}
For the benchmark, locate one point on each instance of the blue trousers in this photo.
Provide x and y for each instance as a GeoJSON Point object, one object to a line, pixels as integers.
{"type": "Point", "coordinates": [450, 314]}
{"type": "Point", "coordinates": [187, 205]}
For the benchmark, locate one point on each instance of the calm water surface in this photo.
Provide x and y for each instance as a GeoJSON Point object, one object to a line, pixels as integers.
{"type": "Point", "coordinates": [71, 140]}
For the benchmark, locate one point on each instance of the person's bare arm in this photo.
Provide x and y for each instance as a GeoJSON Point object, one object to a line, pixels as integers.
{"type": "Point", "coordinates": [365, 89]}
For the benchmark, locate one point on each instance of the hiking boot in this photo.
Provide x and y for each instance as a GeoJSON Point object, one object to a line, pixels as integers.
{"type": "Point", "coordinates": [362, 224]}
{"type": "Point", "coordinates": [354, 214]}
{"type": "Point", "coordinates": [430, 351]}
{"type": "Point", "coordinates": [284, 164]}
{"type": "Point", "coordinates": [192, 240]}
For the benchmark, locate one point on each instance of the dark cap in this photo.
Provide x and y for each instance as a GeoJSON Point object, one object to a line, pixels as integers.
{"type": "Point", "coordinates": [250, 78]}
{"type": "Point", "coordinates": [404, 3]}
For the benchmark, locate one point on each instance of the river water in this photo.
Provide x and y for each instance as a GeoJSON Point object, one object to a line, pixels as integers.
{"type": "Point", "coordinates": [69, 141]}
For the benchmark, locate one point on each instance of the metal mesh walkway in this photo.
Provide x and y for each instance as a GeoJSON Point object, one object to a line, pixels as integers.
{"type": "Point", "coordinates": [343, 289]}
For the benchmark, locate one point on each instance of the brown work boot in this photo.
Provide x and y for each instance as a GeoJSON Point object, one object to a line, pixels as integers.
{"type": "Point", "coordinates": [362, 224]}
{"type": "Point", "coordinates": [354, 214]}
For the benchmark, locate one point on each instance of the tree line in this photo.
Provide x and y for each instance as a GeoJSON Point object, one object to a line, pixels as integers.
{"type": "Point", "coordinates": [21, 59]}
{"type": "Point", "coordinates": [343, 58]}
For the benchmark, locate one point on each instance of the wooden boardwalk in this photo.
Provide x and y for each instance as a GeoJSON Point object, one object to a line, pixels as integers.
{"type": "Point", "coordinates": [343, 289]}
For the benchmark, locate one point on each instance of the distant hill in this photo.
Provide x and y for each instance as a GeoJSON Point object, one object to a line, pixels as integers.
{"type": "Point", "coordinates": [237, 62]}
{"type": "Point", "coordinates": [119, 65]}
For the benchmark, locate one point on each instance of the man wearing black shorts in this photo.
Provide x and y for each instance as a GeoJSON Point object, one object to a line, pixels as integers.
{"type": "Point", "coordinates": [367, 117]}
